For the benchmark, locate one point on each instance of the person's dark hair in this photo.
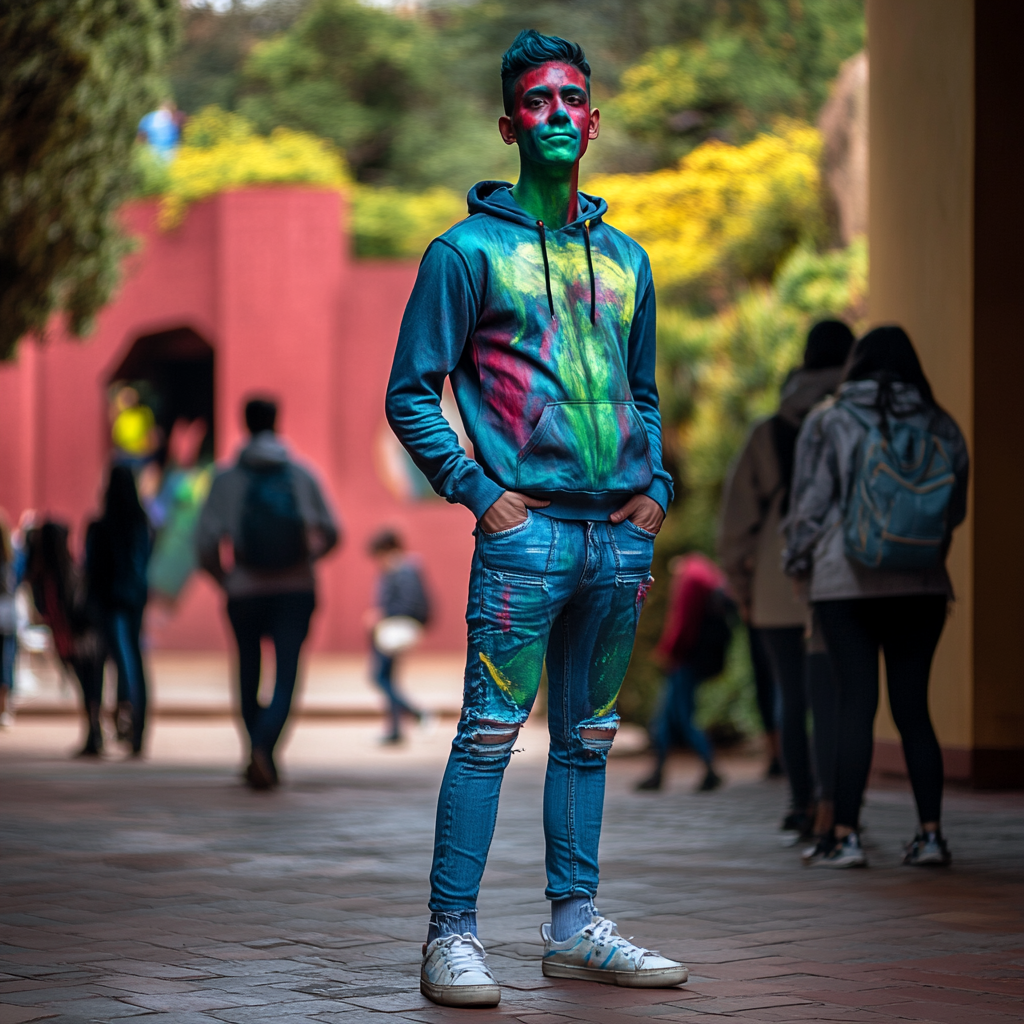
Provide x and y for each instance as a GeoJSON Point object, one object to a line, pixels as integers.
{"type": "Point", "coordinates": [531, 49]}
{"type": "Point", "coordinates": [828, 344]}
{"type": "Point", "coordinates": [260, 415]}
{"type": "Point", "coordinates": [49, 567]}
{"type": "Point", "coordinates": [886, 354]}
{"type": "Point", "coordinates": [121, 506]}
{"type": "Point", "coordinates": [384, 541]}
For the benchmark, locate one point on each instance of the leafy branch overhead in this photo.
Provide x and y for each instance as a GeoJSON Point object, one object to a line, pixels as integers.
{"type": "Point", "coordinates": [75, 78]}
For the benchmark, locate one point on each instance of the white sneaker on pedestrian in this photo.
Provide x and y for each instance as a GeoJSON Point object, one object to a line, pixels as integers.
{"type": "Point", "coordinates": [6, 720]}
{"type": "Point", "coordinates": [599, 953]}
{"type": "Point", "coordinates": [454, 973]}
{"type": "Point", "coordinates": [846, 853]}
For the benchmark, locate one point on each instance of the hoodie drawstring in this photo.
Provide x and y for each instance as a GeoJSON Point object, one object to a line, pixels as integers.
{"type": "Point", "coordinates": [590, 267]}
{"type": "Point", "coordinates": [547, 270]}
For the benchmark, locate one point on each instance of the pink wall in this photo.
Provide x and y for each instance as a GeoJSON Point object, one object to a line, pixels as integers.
{"type": "Point", "coordinates": [264, 276]}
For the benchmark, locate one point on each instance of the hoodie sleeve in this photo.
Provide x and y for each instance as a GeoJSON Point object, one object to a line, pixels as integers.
{"type": "Point", "coordinates": [815, 488]}
{"type": "Point", "coordinates": [641, 363]}
{"type": "Point", "coordinates": [439, 318]}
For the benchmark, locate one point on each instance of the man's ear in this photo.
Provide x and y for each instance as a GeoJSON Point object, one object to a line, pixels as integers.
{"type": "Point", "coordinates": [595, 124]}
{"type": "Point", "coordinates": [507, 132]}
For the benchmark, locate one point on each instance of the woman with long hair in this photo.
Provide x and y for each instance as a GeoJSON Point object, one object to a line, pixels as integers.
{"type": "Point", "coordinates": [117, 549]}
{"type": "Point", "coordinates": [879, 485]}
{"type": "Point", "coordinates": [62, 600]}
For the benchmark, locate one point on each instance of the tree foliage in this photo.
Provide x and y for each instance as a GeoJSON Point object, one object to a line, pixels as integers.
{"type": "Point", "coordinates": [752, 63]}
{"type": "Point", "coordinates": [222, 151]}
{"type": "Point", "coordinates": [75, 78]}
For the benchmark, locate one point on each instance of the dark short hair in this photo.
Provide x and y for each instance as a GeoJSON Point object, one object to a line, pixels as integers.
{"type": "Point", "coordinates": [260, 414]}
{"type": "Point", "coordinates": [828, 344]}
{"type": "Point", "coordinates": [531, 49]}
{"type": "Point", "coordinates": [384, 541]}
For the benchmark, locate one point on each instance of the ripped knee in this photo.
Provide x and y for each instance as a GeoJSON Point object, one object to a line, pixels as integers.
{"type": "Point", "coordinates": [598, 738]}
{"type": "Point", "coordinates": [492, 738]}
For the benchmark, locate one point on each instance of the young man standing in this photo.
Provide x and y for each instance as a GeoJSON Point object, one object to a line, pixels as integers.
{"type": "Point", "coordinates": [543, 317]}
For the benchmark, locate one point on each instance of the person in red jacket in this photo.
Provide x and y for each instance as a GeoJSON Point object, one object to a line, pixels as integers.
{"type": "Point", "coordinates": [682, 650]}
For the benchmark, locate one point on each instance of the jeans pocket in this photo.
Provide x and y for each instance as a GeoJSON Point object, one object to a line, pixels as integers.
{"type": "Point", "coordinates": [638, 530]}
{"type": "Point", "coordinates": [510, 532]}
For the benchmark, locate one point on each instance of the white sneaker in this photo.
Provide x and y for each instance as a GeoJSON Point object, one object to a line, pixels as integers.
{"type": "Point", "coordinates": [454, 973]}
{"type": "Point", "coordinates": [599, 953]}
{"type": "Point", "coordinates": [6, 720]}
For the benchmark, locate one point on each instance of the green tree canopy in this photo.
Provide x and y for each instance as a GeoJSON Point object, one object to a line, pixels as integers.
{"type": "Point", "coordinates": [757, 61]}
{"type": "Point", "coordinates": [75, 78]}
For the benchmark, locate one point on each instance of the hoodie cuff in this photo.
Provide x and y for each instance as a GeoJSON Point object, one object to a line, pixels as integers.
{"type": "Point", "coordinates": [478, 493]}
{"type": "Point", "coordinates": [661, 492]}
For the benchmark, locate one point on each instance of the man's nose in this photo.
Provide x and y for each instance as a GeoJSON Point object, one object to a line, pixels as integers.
{"type": "Point", "coordinates": [559, 114]}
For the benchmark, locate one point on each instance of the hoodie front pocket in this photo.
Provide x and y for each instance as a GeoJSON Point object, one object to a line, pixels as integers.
{"type": "Point", "coordinates": [586, 446]}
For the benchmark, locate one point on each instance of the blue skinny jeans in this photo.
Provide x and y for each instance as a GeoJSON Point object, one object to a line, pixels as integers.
{"type": "Point", "coordinates": [570, 593]}
{"type": "Point", "coordinates": [383, 676]}
{"type": "Point", "coordinates": [124, 629]}
{"type": "Point", "coordinates": [673, 723]}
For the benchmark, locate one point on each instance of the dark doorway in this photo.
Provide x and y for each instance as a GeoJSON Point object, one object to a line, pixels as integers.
{"type": "Point", "coordinates": [173, 373]}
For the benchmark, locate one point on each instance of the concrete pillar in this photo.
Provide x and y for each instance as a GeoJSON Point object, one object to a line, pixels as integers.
{"type": "Point", "coordinates": [946, 216]}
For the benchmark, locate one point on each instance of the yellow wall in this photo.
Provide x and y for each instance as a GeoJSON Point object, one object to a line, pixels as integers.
{"type": "Point", "coordinates": [921, 241]}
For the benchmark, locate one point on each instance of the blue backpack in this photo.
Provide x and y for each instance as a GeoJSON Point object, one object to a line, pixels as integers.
{"type": "Point", "coordinates": [897, 512]}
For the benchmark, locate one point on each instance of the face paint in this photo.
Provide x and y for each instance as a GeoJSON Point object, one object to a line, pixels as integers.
{"type": "Point", "coordinates": [551, 115]}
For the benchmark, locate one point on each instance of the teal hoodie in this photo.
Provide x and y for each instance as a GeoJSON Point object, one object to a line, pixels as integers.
{"type": "Point", "coordinates": [548, 336]}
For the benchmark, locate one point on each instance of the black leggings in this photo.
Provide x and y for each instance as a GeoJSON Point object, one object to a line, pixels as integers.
{"type": "Point", "coordinates": [907, 629]}
{"type": "Point", "coordinates": [785, 648]}
{"type": "Point", "coordinates": [764, 681]}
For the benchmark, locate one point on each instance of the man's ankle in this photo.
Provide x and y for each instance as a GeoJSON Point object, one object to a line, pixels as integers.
{"type": "Point", "coordinates": [456, 922]}
{"type": "Point", "coordinates": [570, 916]}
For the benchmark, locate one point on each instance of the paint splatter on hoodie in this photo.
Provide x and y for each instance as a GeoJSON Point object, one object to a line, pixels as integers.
{"type": "Point", "coordinates": [548, 336]}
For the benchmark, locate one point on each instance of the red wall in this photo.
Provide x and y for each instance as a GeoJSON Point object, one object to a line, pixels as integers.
{"type": "Point", "coordinates": [264, 276]}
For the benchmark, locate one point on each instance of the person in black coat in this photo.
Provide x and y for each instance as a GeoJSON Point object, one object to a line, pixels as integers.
{"type": "Point", "coordinates": [117, 550]}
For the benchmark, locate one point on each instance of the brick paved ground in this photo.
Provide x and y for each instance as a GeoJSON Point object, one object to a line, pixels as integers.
{"type": "Point", "coordinates": [165, 891]}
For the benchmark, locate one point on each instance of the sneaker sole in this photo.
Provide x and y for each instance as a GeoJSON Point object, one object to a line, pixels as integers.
{"type": "Point", "coordinates": [663, 977]}
{"type": "Point", "coordinates": [461, 995]}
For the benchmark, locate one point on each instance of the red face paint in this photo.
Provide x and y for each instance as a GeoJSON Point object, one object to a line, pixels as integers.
{"type": "Point", "coordinates": [551, 116]}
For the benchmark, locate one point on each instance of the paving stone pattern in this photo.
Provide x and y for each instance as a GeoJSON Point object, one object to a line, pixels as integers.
{"type": "Point", "coordinates": [155, 892]}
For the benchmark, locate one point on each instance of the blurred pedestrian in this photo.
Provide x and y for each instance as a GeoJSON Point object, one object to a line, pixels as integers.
{"type": "Point", "coordinates": [693, 646]}
{"type": "Point", "coordinates": [750, 545]}
{"type": "Point", "coordinates": [263, 526]}
{"type": "Point", "coordinates": [880, 483]}
{"type": "Point", "coordinates": [62, 599]}
{"type": "Point", "coordinates": [397, 619]}
{"type": "Point", "coordinates": [117, 550]}
{"type": "Point", "coordinates": [161, 129]}
{"type": "Point", "coordinates": [8, 621]}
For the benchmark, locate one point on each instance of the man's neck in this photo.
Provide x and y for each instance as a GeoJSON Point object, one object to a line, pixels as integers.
{"type": "Point", "coordinates": [548, 193]}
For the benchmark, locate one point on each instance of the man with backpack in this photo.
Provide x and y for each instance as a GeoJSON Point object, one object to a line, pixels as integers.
{"type": "Point", "coordinates": [693, 646]}
{"type": "Point", "coordinates": [268, 515]}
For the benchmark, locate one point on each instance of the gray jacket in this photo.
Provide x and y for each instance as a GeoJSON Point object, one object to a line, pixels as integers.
{"type": "Point", "coordinates": [222, 518]}
{"type": "Point", "coordinates": [826, 455]}
{"type": "Point", "coordinates": [750, 541]}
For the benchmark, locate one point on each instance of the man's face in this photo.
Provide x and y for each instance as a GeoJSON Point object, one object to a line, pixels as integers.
{"type": "Point", "coordinates": [551, 119]}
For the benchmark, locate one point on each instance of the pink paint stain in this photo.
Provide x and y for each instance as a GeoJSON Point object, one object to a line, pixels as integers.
{"type": "Point", "coordinates": [505, 615]}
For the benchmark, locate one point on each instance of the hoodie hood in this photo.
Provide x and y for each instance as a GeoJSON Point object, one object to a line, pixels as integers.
{"type": "Point", "coordinates": [495, 199]}
{"type": "Point", "coordinates": [903, 399]}
{"type": "Point", "coordinates": [805, 389]}
{"type": "Point", "coordinates": [265, 450]}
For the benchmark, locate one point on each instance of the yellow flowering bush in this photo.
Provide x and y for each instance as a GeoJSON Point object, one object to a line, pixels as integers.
{"type": "Point", "coordinates": [725, 213]}
{"type": "Point", "coordinates": [388, 222]}
{"type": "Point", "coordinates": [222, 151]}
